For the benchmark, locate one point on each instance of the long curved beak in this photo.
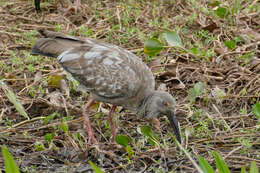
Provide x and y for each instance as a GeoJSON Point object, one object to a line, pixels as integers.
{"type": "Point", "coordinates": [174, 124]}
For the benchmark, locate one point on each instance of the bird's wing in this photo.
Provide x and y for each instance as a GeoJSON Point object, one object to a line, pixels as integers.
{"type": "Point", "coordinates": [106, 71]}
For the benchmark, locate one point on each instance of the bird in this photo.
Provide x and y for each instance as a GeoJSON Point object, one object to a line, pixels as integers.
{"type": "Point", "coordinates": [111, 74]}
{"type": "Point", "coordinates": [38, 7]}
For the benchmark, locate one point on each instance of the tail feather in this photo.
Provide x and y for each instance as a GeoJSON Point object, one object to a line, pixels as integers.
{"type": "Point", "coordinates": [58, 35]}
{"type": "Point", "coordinates": [45, 47]}
{"type": "Point", "coordinates": [54, 43]}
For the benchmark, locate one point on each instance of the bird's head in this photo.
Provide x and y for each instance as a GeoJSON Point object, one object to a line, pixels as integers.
{"type": "Point", "coordinates": [162, 103]}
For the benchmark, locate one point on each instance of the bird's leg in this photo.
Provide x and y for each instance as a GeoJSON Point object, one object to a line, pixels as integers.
{"type": "Point", "coordinates": [111, 123]}
{"type": "Point", "coordinates": [37, 5]}
{"type": "Point", "coordinates": [87, 122]}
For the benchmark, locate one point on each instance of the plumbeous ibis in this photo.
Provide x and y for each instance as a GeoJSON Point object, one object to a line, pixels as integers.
{"type": "Point", "coordinates": [111, 74]}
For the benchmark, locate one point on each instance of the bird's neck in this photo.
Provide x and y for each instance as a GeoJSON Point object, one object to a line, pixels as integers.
{"type": "Point", "coordinates": [142, 108]}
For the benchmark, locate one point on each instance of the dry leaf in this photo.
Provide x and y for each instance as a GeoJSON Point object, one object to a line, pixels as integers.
{"type": "Point", "coordinates": [176, 83]}
{"type": "Point", "coordinates": [64, 87]}
{"type": "Point", "coordinates": [219, 50]}
{"type": "Point", "coordinates": [211, 27]}
{"type": "Point", "coordinates": [54, 80]}
{"type": "Point", "coordinates": [155, 65]}
{"type": "Point", "coordinates": [254, 64]}
{"type": "Point", "coordinates": [55, 98]}
{"type": "Point", "coordinates": [38, 77]}
{"type": "Point", "coordinates": [172, 68]}
{"type": "Point", "coordinates": [156, 123]}
{"type": "Point", "coordinates": [94, 106]}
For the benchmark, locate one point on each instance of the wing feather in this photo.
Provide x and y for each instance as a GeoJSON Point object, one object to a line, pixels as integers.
{"type": "Point", "coordinates": [103, 70]}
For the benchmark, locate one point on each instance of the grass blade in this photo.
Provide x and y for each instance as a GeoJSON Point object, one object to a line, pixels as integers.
{"type": "Point", "coordinates": [204, 165]}
{"type": "Point", "coordinates": [10, 165]}
{"type": "Point", "coordinates": [221, 164]}
{"type": "Point", "coordinates": [256, 110]}
{"type": "Point", "coordinates": [188, 155]}
{"type": "Point", "coordinates": [253, 168]}
{"type": "Point", "coordinates": [243, 169]}
{"type": "Point", "coordinates": [11, 96]}
{"type": "Point", "coordinates": [95, 167]}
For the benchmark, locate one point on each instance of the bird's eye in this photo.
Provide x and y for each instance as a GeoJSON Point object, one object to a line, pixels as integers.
{"type": "Point", "coordinates": [165, 103]}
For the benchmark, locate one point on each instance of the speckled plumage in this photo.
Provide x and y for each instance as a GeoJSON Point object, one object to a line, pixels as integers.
{"type": "Point", "coordinates": [110, 73]}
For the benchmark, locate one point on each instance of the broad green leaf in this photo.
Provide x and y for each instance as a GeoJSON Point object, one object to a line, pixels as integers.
{"type": "Point", "coordinates": [95, 167]}
{"type": "Point", "coordinates": [12, 98]}
{"type": "Point", "coordinates": [204, 165]}
{"type": "Point", "coordinates": [199, 88]}
{"type": "Point", "coordinates": [237, 39]}
{"type": "Point", "coordinates": [152, 46]}
{"type": "Point", "coordinates": [256, 110]}
{"type": "Point", "coordinates": [123, 140]}
{"type": "Point", "coordinates": [194, 50]}
{"type": "Point", "coordinates": [221, 164]}
{"type": "Point", "coordinates": [152, 138]}
{"type": "Point", "coordinates": [173, 39]}
{"type": "Point", "coordinates": [196, 91]}
{"type": "Point", "coordinates": [192, 95]}
{"type": "Point", "coordinates": [147, 131]}
{"type": "Point", "coordinates": [221, 12]}
{"type": "Point", "coordinates": [10, 165]}
{"type": "Point", "coordinates": [253, 167]}
{"type": "Point", "coordinates": [54, 80]}
{"type": "Point", "coordinates": [230, 44]}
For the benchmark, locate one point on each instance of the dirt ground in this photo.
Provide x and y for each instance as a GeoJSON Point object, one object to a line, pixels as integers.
{"type": "Point", "coordinates": [220, 119]}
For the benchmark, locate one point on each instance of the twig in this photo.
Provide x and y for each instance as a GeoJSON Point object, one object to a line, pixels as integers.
{"type": "Point", "coordinates": [221, 117]}
{"type": "Point", "coordinates": [20, 124]}
{"type": "Point", "coordinates": [231, 152]}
